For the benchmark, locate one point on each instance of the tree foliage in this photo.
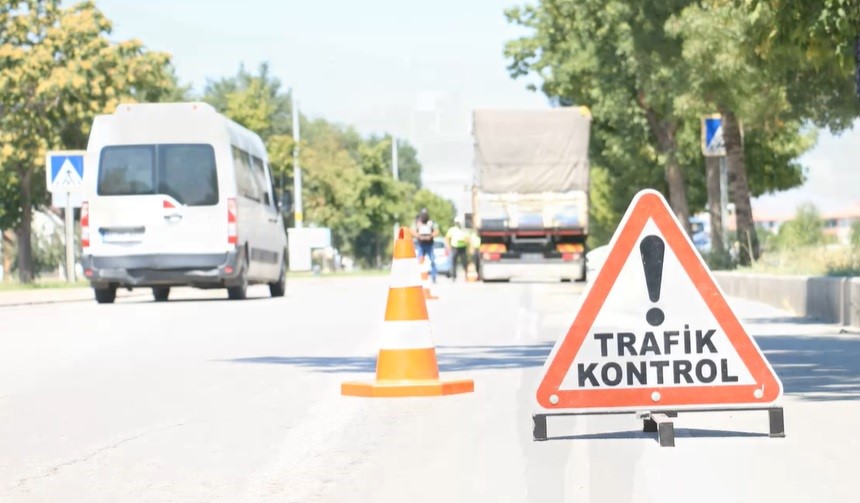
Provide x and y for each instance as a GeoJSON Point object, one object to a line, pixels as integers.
{"type": "Point", "coordinates": [855, 234]}
{"type": "Point", "coordinates": [648, 69]}
{"type": "Point", "coordinates": [58, 69]}
{"type": "Point", "coordinates": [347, 179]}
{"type": "Point", "coordinates": [806, 229]}
{"type": "Point", "coordinates": [616, 58]}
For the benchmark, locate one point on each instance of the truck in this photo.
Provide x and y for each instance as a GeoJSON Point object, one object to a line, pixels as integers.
{"type": "Point", "coordinates": [530, 192]}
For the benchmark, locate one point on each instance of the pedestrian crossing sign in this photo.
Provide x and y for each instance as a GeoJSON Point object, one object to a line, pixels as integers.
{"type": "Point", "coordinates": [712, 136]}
{"type": "Point", "coordinates": [64, 170]}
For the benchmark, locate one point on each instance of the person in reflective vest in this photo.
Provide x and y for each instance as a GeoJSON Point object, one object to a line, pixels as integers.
{"type": "Point", "coordinates": [425, 230]}
{"type": "Point", "coordinates": [457, 242]}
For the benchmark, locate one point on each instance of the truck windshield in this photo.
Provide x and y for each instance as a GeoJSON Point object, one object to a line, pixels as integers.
{"type": "Point", "coordinates": [184, 172]}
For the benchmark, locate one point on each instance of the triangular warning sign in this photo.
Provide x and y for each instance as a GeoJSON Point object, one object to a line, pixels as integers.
{"type": "Point", "coordinates": [654, 331]}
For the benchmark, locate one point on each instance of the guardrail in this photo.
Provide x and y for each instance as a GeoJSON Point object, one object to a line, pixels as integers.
{"type": "Point", "coordinates": [826, 299]}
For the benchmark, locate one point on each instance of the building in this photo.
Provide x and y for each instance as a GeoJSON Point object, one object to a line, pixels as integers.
{"type": "Point", "coordinates": [838, 224]}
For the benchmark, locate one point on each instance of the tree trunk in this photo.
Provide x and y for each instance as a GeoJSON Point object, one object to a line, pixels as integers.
{"type": "Point", "coordinates": [25, 248]}
{"type": "Point", "coordinates": [677, 191]}
{"type": "Point", "coordinates": [740, 190]}
{"type": "Point", "coordinates": [664, 133]}
{"type": "Point", "coordinates": [715, 211]}
{"type": "Point", "coordinates": [7, 242]}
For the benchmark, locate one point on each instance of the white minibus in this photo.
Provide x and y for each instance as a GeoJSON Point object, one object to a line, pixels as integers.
{"type": "Point", "coordinates": [176, 194]}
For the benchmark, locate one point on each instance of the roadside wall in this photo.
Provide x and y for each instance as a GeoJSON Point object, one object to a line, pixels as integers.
{"type": "Point", "coordinates": [830, 300]}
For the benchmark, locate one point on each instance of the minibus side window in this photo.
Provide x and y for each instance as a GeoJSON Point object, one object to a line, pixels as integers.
{"type": "Point", "coordinates": [262, 181]}
{"type": "Point", "coordinates": [245, 183]}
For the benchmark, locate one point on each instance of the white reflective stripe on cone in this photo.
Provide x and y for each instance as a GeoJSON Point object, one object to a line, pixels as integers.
{"type": "Point", "coordinates": [406, 335]}
{"type": "Point", "coordinates": [405, 272]}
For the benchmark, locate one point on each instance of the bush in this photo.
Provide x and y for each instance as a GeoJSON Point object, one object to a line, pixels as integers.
{"type": "Point", "coordinates": [718, 260]}
{"type": "Point", "coordinates": [855, 234]}
{"type": "Point", "coordinates": [811, 260]}
{"type": "Point", "coordinates": [806, 229]}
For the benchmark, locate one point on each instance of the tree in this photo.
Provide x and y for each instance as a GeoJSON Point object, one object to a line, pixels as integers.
{"type": "Point", "coordinates": [332, 183]}
{"type": "Point", "coordinates": [408, 166]}
{"type": "Point", "coordinates": [649, 70]}
{"type": "Point", "coordinates": [616, 58]}
{"type": "Point", "coordinates": [382, 200]}
{"type": "Point", "coordinates": [58, 69]}
{"type": "Point", "coordinates": [855, 234]}
{"type": "Point", "coordinates": [817, 28]}
{"type": "Point", "coordinates": [347, 182]}
{"type": "Point", "coordinates": [603, 213]}
{"type": "Point", "coordinates": [759, 88]}
{"type": "Point", "coordinates": [806, 229]}
{"type": "Point", "coordinates": [257, 102]}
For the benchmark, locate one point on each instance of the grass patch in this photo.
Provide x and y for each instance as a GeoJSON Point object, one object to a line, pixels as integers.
{"type": "Point", "coordinates": [809, 261]}
{"type": "Point", "coordinates": [338, 274]}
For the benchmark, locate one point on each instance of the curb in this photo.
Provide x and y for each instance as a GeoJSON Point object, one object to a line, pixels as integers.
{"type": "Point", "coordinates": [59, 299]}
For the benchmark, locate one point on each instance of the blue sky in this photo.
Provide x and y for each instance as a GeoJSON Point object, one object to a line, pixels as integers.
{"type": "Point", "coordinates": [414, 68]}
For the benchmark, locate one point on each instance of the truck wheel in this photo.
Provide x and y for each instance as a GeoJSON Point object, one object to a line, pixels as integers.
{"type": "Point", "coordinates": [106, 295]}
{"type": "Point", "coordinates": [161, 293]}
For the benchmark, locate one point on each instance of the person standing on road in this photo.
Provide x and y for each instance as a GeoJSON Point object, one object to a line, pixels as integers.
{"type": "Point", "coordinates": [425, 230]}
{"type": "Point", "coordinates": [475, 246]}
{"type": "Point", "coordinates": [457, 242]}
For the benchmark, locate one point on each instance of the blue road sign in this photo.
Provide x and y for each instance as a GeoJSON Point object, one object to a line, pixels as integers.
{"type": "Point", "coordinates": [64, 170]}
{"type": "Point", "coordinates": [712, 136]}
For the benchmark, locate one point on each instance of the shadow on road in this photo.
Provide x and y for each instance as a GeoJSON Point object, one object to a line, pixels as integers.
{"type": "Point", "coordinates": [193, 300]}
{"type": "Point", "coordinates": [793, 320]}
{"type": "Point", "coordinates": [818, 368]}
{"type": "Point", "coordinates": [815, 368]}
{"type": "Point", "coordinates": [451, 358]}
{"type": "Point", "coordinates": [679, 432]}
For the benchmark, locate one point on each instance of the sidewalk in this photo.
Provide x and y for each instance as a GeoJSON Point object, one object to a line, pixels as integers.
{"type": "Point", "coordinates": [26, 297]}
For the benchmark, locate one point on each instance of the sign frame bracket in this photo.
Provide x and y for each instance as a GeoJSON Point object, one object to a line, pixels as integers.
{"type": "Point", "coordinates": [660, 421]}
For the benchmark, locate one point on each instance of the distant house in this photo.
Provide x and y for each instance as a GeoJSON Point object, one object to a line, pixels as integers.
{"type": "Point", "coordinates": [838, 224]}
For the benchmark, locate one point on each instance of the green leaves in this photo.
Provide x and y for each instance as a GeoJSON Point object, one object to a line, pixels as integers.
{"type": "Point", "coordinates": [806, 229]}
{"type": "Point", "coordinates": [347, 180]}
{"type": "Point", "coordinates": [58, 69]}
{"type": "Point", "coordinates": [654, 67]}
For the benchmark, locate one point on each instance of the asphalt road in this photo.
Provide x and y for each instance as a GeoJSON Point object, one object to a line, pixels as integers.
{"type": "Point", "coordinates": [203, 399]}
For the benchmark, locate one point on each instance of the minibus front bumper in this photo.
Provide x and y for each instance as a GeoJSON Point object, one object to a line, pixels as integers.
{"type": "Point", "coordinates": [199, 270]}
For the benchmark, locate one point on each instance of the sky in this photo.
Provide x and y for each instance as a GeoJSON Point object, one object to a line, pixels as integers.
{"type": "Point", "coordinates": [415, 69]}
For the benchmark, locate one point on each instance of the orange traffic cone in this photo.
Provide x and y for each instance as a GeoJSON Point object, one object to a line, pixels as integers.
{"type": "Point", "coordinates": [425, 279]}
{"type": "Point", "coordinates": [406, 364]}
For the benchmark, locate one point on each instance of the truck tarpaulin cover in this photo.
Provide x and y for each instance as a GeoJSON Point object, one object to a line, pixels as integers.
{"type": "Point", "coordinates": [531, 151]}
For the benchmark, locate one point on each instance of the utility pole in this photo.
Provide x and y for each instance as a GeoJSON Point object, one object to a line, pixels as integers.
{"type": "Point", "coordinates": [70, 237]}
{"type": "Point", "coordinates": [297, 172]}
{"type": "Point", "coordinates": [394, 168]}
{"type": "Point", "coordinates": [395, 172]}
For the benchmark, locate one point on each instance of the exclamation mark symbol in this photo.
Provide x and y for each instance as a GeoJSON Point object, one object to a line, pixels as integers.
{"type": "Point", "coordinates": [652, 248]}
